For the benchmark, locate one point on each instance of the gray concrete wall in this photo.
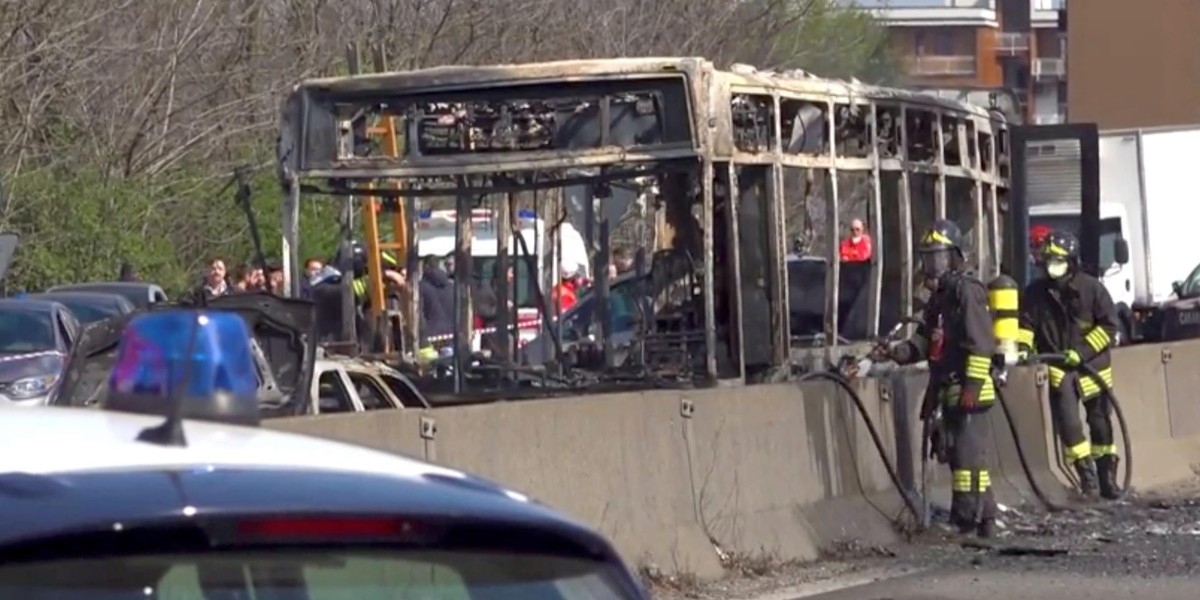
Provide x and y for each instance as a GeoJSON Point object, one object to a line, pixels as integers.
{"type": "Point", "coordinates": [679, 478]}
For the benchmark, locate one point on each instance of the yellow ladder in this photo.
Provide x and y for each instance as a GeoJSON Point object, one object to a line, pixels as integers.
{"type": "Point", "coordinates": [385, 132]}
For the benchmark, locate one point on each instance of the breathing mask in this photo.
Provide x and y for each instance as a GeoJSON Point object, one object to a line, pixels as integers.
{"type": "Point", "coordinates": [1057, 268]}
{"type": "Point", "coordinates": [936, 263]}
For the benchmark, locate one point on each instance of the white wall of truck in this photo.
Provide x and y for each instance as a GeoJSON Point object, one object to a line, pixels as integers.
{"type": "Point", "coordinates": [1153, 173]}
{"type": "Point", "coordinates": [1149, 173]}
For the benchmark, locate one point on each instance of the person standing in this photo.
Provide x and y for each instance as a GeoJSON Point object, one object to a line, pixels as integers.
{"type": "Point", "coordinates": [215, 283]}
{"type": "Point", "coordinates": [956, 338]}
{"type": "Point", "coordinates": [1070, 312]}
{"type": "Point", "coordinates": [856, 247]}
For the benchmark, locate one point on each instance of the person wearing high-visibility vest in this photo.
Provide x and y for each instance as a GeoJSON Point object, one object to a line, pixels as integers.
{"type": "Point", "coordinates": [1070, 311]}
{"type": "Point", "coordinates": [955, 336]}
{"type": "Point", "coordinates": [391, 272]}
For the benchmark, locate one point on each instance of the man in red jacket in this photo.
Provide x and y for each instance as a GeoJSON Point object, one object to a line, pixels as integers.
{"type": "Point", "coordinates": [857, 247]}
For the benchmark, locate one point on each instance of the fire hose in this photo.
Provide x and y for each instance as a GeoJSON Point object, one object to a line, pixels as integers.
{"type": "Point", "coordinates": [841, 378]}
{"type": "Point", "coordinates": [1059, 360]}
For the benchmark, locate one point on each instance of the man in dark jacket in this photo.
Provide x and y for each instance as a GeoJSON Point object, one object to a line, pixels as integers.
{"type": "Point", "coordinates": [437, 302]}
{"type": "Point", "coordinates": [1072, 313]}
{"type": "Point", "coordinates": [956, 338]}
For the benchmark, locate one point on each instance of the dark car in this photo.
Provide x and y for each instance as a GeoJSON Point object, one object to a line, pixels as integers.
{"type": "Point", "coordinates": [93, 512]}
{"type": "Point", "coordinates": [1177, 318]}
{"type": "Point", "coordinates": [142, 295]}
{"type": "Point", "coordinates": [284, 333]}
{"type": "Point", "coordinates": [89, 307]}
{"type": "Point", "coordinates": [35, 338]}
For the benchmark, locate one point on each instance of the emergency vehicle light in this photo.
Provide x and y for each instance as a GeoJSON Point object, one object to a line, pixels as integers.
{"type": "Point", "coordinates": [527, 213]}
{"type": "Point", "coordinates": [186, 364]}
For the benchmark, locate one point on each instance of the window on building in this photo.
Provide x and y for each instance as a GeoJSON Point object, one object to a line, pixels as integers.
{"type": "Point", "coordinates": [936, 43]}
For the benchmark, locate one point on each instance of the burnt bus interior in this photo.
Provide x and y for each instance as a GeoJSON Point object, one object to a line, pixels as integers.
{"type": "Point", "coordinates": [539, 146]}
{"type": "Point", "coordinates": [896, 166]}
{"type": "Point", "coordinates": [621, 159]}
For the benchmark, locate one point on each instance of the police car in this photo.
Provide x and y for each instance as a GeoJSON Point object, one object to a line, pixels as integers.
{"type": "Point", "coordinates": [109, 504]}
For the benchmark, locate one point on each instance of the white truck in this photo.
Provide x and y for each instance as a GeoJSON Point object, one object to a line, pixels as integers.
{"type": "Point", "coordinates": [1147, 198]}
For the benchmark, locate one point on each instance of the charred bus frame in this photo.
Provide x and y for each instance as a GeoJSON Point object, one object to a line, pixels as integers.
{"type": "Point", "coordinates": [721, 140]}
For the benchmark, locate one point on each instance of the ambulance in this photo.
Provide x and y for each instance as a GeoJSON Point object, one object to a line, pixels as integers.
{"type": "Point", "coordinates": [436, 234]}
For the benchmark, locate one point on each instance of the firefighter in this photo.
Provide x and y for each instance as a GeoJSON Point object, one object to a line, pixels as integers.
{"type": "Point", "coordinates": [360, 285]}
{"type": "Point", "coordinates": [1070, 312]}
{"type": "Point", "coordinates": [956, 338]}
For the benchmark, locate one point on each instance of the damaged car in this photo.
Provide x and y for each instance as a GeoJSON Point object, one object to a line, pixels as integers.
{"type": "Point", "coordinates": [282, 344]}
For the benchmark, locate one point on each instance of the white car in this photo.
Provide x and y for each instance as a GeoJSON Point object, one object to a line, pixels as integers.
{"type": "Point", "coordinates": [343, 384]}
{"type": "Point", "coordinates": [235, 511]}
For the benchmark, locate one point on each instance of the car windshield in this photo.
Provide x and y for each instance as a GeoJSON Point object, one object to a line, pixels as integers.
{"type": "Point", "coordinates": [89, 312]}
{"type": "Point", "coordinates": [1191, 286]}
{"type": "Point", "coordinates": [334, 574]}
{"type": "Point", "coordinates": [23, 331]}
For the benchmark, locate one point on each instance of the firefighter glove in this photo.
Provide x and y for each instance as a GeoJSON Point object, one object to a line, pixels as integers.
{"type": "Point", "coordinates": [1072, 358]}
{"type": "Point", "coordinates": [968, 399]}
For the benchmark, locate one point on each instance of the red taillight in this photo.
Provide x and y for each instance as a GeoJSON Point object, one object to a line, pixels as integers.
{"type": "Point", "coordinates": [326, 527]}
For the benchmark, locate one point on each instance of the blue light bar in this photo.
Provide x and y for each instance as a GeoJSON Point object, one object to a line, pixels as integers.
{"type": "Point", "coordinates": [200, 357]}
{"type": "Point", "coordinates": [425, 213]}
{"type": "Point", "coordinates": [526, 213]}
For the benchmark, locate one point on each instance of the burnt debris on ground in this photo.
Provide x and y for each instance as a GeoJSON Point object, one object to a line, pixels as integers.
{"type": "Point", "coordinates": [1148, 536]}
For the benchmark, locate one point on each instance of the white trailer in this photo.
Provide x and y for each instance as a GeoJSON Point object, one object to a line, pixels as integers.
{"type": "Point", "coordinates": [1147, 197]}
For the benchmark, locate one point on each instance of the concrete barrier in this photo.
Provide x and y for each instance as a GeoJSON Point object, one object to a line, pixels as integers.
{"type": "Point", "coordinates": [681, 479]}
{"type": "Point", "coordinates": [1159, 388]}
{"type": "Point", "coordinates": [670, 476]}
{"type": "Point", "coordinates": [1025, 396]}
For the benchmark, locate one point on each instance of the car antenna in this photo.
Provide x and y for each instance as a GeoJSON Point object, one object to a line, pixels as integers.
{"type": "Point", "coordinates": [170, 432]}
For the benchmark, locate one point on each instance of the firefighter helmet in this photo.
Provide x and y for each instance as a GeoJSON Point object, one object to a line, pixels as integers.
{"type": "Point", "coordinates": [943, 234]}
{"type": "Point", "coordinates": [1059, 244]}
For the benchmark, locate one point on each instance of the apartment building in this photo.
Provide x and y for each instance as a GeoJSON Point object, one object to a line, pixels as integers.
{"type": "Point", "coordinates": [1016, 45]}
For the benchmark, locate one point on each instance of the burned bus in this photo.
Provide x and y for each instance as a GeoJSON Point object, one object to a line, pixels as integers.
{"type": "Point", "coordinates": [746, 181]}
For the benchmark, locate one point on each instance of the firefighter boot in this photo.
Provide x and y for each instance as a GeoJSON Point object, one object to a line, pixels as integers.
{"type": "Point", "coordinates": [1085, 468]}
{"type": "Point", "coordinates": [964, 512]}
{"type": "Point", "coordinates": [987, 515]}
{"type": "Point", "coordinates": [1106, 469]}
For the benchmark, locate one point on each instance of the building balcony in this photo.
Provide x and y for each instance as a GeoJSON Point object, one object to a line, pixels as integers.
{"type": "Point", "coordinates": [1049, 68]}
{"type": "Point", "coordinates": [1044, 13]}
{"type": "Point", "coordinates": [1010, 43]}
{"type": "Point", "coordinates": [939, 66]}
{"type": "Point", "coordinates": [930, 13]}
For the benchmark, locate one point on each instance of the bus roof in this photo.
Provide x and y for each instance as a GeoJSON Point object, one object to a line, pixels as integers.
{"type": "Point", "coordinates": [449, 77]}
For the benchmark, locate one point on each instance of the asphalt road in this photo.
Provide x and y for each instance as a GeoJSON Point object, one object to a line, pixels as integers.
{"type": "Point", "coordinates": [1148, 548]}
{"type": "Point", "coordinates": [999, 585]}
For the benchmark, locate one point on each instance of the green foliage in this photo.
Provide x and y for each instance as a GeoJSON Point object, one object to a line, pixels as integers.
{"type": "Point", "coordinates": [829, 39]}
{"type": "Point", "coordinates": [80, 226]}
{"type": "Point", "coordinates": [80, 220]}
